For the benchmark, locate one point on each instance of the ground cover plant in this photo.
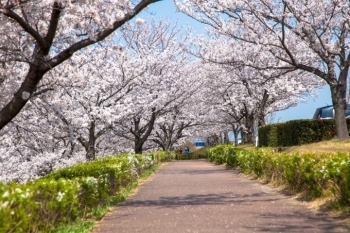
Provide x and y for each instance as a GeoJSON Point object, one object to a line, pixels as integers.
{"type": "Point", "coordinates": [313, 174]}
{"type": "Point", "coordinates": [73, 194]}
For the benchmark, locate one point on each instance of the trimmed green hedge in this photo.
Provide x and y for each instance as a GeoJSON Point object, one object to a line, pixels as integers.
{"type": "Point", "coordinates": [69, 193]}
{"type": "Point", "coordinates": [297, 132]}
{"type": "Point", "coordinates": [314, 174]}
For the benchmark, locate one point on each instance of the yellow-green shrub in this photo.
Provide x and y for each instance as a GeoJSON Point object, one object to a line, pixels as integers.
{"type": "Point", "coordinates": [223, 154]}
{"type": "Point", "coordinates": [17, 208]}
{"type": "Point", "coordinates": [310, 173]}
{"type": "Point", "coordinates": [68, 193]}
{"type": "Point", "coordinates": [58, 201]}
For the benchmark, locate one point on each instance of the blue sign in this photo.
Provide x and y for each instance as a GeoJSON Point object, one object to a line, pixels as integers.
{"type": "Point", "coordinates": [187, 150]}
{"type": "Point", "coordinates": [199, 144]}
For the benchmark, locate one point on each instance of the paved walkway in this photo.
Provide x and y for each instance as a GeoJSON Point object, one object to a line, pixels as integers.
{"type": "Point", "coordinates": [198, 196]}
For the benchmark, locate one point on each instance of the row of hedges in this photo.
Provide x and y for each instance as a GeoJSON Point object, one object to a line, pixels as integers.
{"type": "Point", "coordinates": [316, 175]}
{"type": "Point", "coordinates": [193, 155]}
{"type": "Point", "coordinates": [70, 193]}
{"type": "Point", "coordinates": [297, 132]}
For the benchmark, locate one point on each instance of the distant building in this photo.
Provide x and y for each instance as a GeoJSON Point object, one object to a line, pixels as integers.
{"type": "Point", "coordinates": [199, 142]}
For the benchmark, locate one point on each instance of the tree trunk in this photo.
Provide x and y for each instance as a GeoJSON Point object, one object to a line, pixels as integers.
{"type": "Point", "coordinates": [140, 139]}
{"type": "Point", "coordinates": [225, 138]}
{"type": "Point", "coordinates": [167, 145]}
{"type": "Point", "coordinates": [21, 97]}
{"type": "Point", "coordinates": [248, 134]}
{"type": "Point", "coordinates": [162, 146]}
{"type": "Point", "coordinates": [90, 153]}
{"type": "Point", "coordinates": [338, 92]}
{"type": "Point", "coordinates": [235, 134]}
{"type": "Point", "coordinates": [138, 148]}
{"type": "Point", "coordinates": [261, 111]}
{"type": "Point", "coordinates": [90, 148]}
{"type": "Point", "coordinates": [213, 140]}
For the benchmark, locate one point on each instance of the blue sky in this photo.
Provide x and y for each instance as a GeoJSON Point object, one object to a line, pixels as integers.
{"type": "Point", "coordinates": [166, 10]}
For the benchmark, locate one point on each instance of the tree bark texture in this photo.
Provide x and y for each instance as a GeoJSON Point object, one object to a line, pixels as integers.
{"type": "Point", "coordinates": [338, 92]}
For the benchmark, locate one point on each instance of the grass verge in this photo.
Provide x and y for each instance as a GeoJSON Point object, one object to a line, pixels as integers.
{"type": "Point", "coordinates": [330, 147]}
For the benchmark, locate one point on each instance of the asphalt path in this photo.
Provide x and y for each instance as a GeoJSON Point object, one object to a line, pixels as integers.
{"type": "Point", "coordinates": [198, 196]}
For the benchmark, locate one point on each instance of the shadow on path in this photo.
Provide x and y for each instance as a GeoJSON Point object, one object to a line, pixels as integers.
{"type": "Point", "coordinates": [201, 199]}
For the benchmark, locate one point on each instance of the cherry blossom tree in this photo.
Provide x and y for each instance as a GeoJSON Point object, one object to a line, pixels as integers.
{"type": "Point", "coordinates": [101, 95]}
{"type": "Point", "coordinates": [95, 94]}
{"type": "Point", "coordinates": [38, 35]}
{"type": "Point", "coordinates": [187, 114]}
{"type": "Point", "coordinates": [310, 36]}
{"type": "Point", "coordinates": [166, 83]}
{"type": "Point", "coordinates": [172, 128]}
{"type": "Point", "coordinates": [244, 94]}
{"type": "Point", "coordinates": [72, 121]}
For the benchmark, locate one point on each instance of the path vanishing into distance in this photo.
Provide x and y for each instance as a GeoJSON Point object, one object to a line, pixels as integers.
{"type": "Point", "coordinates": [198, 196]}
